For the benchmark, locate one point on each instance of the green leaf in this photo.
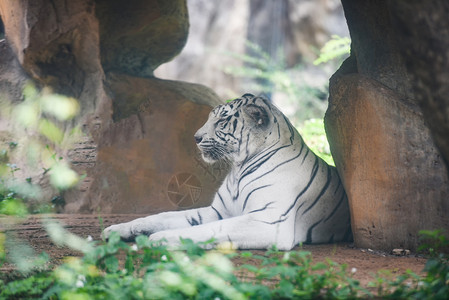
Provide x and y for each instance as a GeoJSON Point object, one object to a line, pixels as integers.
{"type": "Point", "coordinates": [129, 264]}
{"type": "Point", "coordinates": [111, 263]}
{"type": "Point", "coordinates": [142, 241]}
{"type": "Point", "coordinates": [61, 107]}
{"type": "Point", "coordinates": [336, 47]}
{"type": "Point", "coordinates": [63, 177]}
{"type": "Point", "coordinates": [13, 207]}
{"type": "Point", "coordinates": [50, 131]}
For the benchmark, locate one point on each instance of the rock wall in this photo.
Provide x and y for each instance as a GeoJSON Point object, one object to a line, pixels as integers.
{"type": "Point", "coordinates": [394, 174]}
{"type": "Point", "coordinates": [137, 151]}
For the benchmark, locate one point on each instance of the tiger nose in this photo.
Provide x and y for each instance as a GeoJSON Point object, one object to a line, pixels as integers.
{"type": "Point", "coordinates": [198, 138]}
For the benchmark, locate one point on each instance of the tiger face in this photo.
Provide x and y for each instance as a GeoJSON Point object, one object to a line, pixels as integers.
{"type": "Point", "coordinates": [234, 130]}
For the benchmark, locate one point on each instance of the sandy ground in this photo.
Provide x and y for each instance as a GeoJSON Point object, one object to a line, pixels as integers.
{"type": "Point", "coordinates": [366, 261]}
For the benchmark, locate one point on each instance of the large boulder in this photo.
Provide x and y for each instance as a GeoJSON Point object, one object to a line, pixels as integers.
{"type": "Point", "coordinates": [421, 28]}
{"type": "Point", "coordinates": [137, 152]}
{"type": "Point", "coordinates": [393, 172]}
{"type": "Point", "coordinates": [147, 160]}
{"type": "Point", "coordinates": [135, 38]}
{"type": "Point", "coordinates": [394, 176]}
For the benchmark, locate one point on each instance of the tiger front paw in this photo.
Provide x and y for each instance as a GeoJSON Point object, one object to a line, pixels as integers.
{"type": "Point", "coordinates": [124, 230]}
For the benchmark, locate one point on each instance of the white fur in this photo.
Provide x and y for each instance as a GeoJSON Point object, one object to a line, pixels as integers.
{"type": "Point", "coordinates": [268, 198]}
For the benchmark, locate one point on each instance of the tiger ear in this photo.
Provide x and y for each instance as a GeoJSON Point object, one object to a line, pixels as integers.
{"type": "Point", "coordinates": [257, 114]}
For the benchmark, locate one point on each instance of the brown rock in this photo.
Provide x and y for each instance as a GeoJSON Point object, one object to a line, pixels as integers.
{"type": "Point", "coordinates": [421, 28]}
{"type": "Point", "coordinates": [55, 42]}
{"type": "Point", "coordinates": [147, 160]}
{"type": "Point", "coordinates": [374, 45]}
{"type": "Point", "coordinates": [396, 181]}
{"type": "Point", "coordinates": [135, 38]}
{"type": "Point", "coordinates": [137, 152]}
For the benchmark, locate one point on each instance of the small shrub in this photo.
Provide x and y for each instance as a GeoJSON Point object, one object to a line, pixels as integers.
{"type": "Point", "coordinates": [147, 270]}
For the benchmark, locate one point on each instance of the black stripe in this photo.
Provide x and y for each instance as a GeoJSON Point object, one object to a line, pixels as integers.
{"type": "Point", "coordinates": [323, 190]}
{"type": "Point", "coordinates": [309, 232]}
{"type": "Point", "coordinates": [291, 129]}
{"type": "Point", "coordinates": [234, 124]}
{"type": "Point", "coordinates": [221, 199]}
{"type": "Point", "coordinates": [221, 136]}
{"type": "Point", "coordinates": [276, 222]}
{"type": "Point", "coordinates": [229, 239]}
{"type": "Point", "coordinates": [229, 189]}
{"type": "Point", "coordinates": [247, 143]}
{"type": "Point", "coordinates": [241, 133]}
{"type": "Point", "coordinates": [231, 135]}
{"type": "Point", "coordinates": [218, 214]}
{"type": "Point", "coordinates": [343, 196]}
{"type": "Point", "coordinates": [299, 207]}
{"type": "Point", "coordinates": [192, 221]}
{"type": "Point", "coordinates": [261, 209]}
{"type": "Point", "coordinates": [272, 170]}
{"type": "Point", "coordinates": [338, 187]}
{"type": "Point", "coordinates": [249, 194]}
{"type": "Point", "coordinates": [251, 168]}
{"type": "Point", "coordinates": [312, 177]}
{"type": "Point", "coordinates": [307, 153]}
{"type": "Point", "coordinates": [348, 237]}
{"type": "Point", "coordinates": [256, 165]}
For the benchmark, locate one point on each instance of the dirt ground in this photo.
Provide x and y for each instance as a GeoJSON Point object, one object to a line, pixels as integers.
{"type": "Point", "coordinates": [365, 261]}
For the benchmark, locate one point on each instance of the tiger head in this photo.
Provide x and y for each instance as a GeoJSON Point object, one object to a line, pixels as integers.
{"type": "Point", "coordinates": [236, 130]}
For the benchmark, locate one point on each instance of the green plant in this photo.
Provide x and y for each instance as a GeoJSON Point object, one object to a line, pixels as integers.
{"type": "Point", "coordinates": [116, 270]}
{"type": "Point", "coordinates": [39, 144]}
{"type": "Point", "coordinates": [314, 135]}
{"type": "Point", "coordinates": [435, 283]}
{"type": "Point", "coordinates": [41, 141]}
{"type": "Point", "coordinates": [336, 48]}
{"type": "Point", "coordinates": [292, 275]}
{"type": "Point", "coordinates": [147, 270]}
{"type": "Point", "coordinates": [270, 75]}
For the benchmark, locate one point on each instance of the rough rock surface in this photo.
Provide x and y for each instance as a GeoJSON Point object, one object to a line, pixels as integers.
{"type": "Point", "coordinates": [422, 31]}
{"type": "Point", "coordinates": [147, 160]}
{"type": "Point", "coordinates": [394, 176]}
{"type": "Point", "coordinates": [392, 169]}
{"type": "Point", "coordinates": [137, 37]}
{"type": "Point", "coordinates": [137, 151]}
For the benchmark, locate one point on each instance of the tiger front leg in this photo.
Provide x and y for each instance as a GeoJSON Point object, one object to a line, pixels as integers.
{"type": "Point", "coordinates": [244, 232]}
{"type": "Point", "coordinates": [163, 221]}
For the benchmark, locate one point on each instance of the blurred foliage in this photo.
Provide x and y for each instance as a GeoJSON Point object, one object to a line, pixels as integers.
{"type": "Point", "coordinates": [38, 123]}
{"type": "Point", "coordinates": [268, 75]}
{"type": "Point", "coordinates": [314, 134]}
{"type": "Point", "coordinates": [40, 140]}
{"type": "Point", "coordinates": [336, 48]}
{"type": "Point", "coordinates": [148, 270]}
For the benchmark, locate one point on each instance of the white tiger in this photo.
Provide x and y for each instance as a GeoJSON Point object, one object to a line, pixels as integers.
{"type": "Point", "coordinates": [278, 192]}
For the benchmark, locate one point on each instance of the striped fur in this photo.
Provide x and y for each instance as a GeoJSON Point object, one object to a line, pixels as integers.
{"type": "Point", "coordinates": [277, 192]}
